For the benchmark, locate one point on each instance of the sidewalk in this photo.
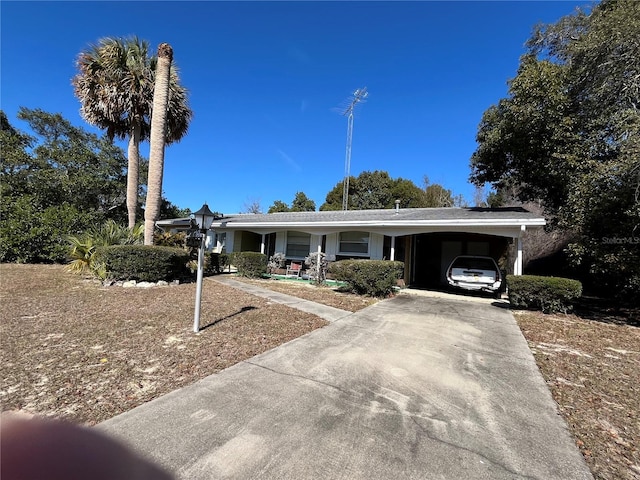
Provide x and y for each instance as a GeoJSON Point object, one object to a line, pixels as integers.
{"type": "Point", "coordinates": [331, 314]}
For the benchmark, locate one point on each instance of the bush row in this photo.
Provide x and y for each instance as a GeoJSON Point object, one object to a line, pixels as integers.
{"type": "Point", "coordinates": [153, 263]}
{"type": "Point", "coordinates": [376, 278]}
{"type": "Point", "coordinates": [143, 263]}
{"type": "Point", "coordinates": [549, 294]}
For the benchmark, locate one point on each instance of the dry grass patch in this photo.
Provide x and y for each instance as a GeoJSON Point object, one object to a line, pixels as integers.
{"type": "Point", "coordinates": [593, 371]}
{"type": "Point", "coordinates": [73, 349]}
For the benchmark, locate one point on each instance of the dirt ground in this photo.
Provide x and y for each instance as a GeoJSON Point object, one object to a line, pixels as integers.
{"type": "Point", "coordinates": [74, 349]}
{"type": "Point", "coordinates": [593, 371]}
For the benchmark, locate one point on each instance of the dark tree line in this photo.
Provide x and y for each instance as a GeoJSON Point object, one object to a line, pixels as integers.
{"type": "Point", "coordinates": [57, 181]}
{"type": "Point", "coordinates": [375, 190]}
{"type": "Point", "coordinates": [568, 136]}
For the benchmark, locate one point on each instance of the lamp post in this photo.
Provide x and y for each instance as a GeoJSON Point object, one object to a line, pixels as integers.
{"type": "Point", "coordinates": [204, 218]}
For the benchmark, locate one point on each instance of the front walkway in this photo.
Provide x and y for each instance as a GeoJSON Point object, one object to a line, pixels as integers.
{"type": "Point", "coordinates": [326, 312]}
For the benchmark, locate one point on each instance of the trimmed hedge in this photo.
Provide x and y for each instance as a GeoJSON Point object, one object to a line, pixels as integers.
{"type": "Point", "coordinates": [376, 278]}
{"type": "Point", "coordinates": [144, 263]}
{"type": "Point", "coordinates": [549, 294]}
{"type": "Point", "coordinates": [249, 264]}
{"type": "Point", "coordinates": [212, 264]}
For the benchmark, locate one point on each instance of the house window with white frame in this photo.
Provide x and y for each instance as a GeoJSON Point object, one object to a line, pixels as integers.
{"type": "Point", "coordinates": [354, 243]}
{"type": "Point", "coordinates": [298, 244]}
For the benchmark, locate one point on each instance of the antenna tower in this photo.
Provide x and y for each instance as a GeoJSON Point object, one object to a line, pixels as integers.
{"type": "Point", "coordinates": [358, 96]}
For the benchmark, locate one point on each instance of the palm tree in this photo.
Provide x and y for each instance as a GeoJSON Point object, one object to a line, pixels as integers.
{"type": "Point", "coordinates": [159, 129]}
{"type": "Point", "coordinates": [115, 87]}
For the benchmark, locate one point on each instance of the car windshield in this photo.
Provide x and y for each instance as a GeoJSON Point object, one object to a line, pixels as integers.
{"type": "Point", "coordinates": [474, 263]}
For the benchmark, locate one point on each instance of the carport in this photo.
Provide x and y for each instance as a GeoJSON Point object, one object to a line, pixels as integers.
{"type": "Point", "coordinates": [431, 254]}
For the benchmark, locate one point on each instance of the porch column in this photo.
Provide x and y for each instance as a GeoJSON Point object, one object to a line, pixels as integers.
{"type": "Point", "coordinates": [318, 262]}
{"type": "Point", "coordinates": [262, 244]}
{"type": "Point", "coordinates": [392, 254]}
{"type": "Point", "coordinates": [517, 265]}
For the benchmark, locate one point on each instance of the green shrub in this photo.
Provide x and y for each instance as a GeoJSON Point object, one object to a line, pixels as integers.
{"type": "Point", "coordinates": [143, 263]}
{"type": "Point", "coordinates": [376, 278]}
{"type": "Point", "coordinates": [549, 294]}
{"type": "Point", "coordinates": [250, 264]}
{"type": "Point", "coordinates": [29, 234]}
{"type": "Point", "coordinates": [276, 261]}
{"type": "Point", "coordinates": [167, 239]}
{"type": "Point", "coordinates": [82, 248]}
{"type": "Point", "coordinates": [224, 260]}
{"type": "Point", "coordinates": [215, 263]}
{"type": "Point", "coordinates": [317, 265]}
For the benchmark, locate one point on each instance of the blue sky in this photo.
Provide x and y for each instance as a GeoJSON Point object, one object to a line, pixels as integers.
{"type": "Point", "coordinates": [268, 80]}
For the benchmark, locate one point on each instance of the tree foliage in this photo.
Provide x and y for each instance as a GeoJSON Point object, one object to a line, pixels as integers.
{"type": "Point", "coordinates": [377, 190]}
{"type": "Point", "coordinates": [569, 134]}
{"type": "Point", "coordinates": [278, 207]}
{"type": "Point", "coordinates": [57, 181]}
{"type": "Point", "coordinates": [252, 205]}
{"type": "Point", "coordinates": [437, 196]}
{"type": "Point", "coordinates": [301, 203]}
{"type": "Point", "coordinates": [60, 181]}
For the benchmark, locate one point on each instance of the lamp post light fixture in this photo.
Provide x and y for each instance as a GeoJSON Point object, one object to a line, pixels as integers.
{"type": "Point", "coordinates": [203, 218]}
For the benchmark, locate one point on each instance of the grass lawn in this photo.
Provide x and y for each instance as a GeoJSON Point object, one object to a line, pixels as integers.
{"type": "Point", "coordinates": [71, 348]}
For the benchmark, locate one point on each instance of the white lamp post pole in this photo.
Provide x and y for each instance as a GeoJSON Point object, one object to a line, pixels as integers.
{"type": "Point", "coordinates": [196, 315]}
{"type": "Point", "coordinates": [204, 218]}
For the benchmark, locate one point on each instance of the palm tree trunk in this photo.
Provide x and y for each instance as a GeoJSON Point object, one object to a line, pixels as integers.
{"type": "Point", "coordinates": [133, 169]}
{"type": "Point", "coordinates": [157, 140]}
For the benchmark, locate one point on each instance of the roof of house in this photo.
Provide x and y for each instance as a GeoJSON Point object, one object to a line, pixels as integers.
{"type": "Point", "coordinates": [458, 216]}
{"type": "Point", "coordinates": [402, 215]}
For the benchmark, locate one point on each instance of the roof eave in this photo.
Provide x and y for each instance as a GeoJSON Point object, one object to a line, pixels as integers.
{"type": "Point", "coordinates": [529, 222]}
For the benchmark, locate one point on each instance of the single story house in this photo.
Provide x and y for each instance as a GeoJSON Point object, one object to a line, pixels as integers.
{"type": "Point", "coordinates": [425, 239]}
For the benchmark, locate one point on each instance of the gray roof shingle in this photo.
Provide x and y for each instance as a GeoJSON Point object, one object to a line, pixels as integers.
{"type": "Point", "coordinates": [388, 215]}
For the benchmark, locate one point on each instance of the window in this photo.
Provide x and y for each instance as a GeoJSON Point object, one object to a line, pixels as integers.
{"type": "Point", "coordinates": [298, 244]}
{"type": "Point", "coordinates": [354, 243]}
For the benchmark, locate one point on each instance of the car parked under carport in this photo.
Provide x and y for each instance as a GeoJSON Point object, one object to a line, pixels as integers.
{"type": "Point", "coordinates": [475, 273]}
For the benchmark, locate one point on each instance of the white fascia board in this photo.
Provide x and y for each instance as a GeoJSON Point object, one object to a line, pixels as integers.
{"type": "Point", "coordinates": [509, 222]}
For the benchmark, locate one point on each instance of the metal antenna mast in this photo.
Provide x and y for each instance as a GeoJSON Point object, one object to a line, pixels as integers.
{"type": "Point", "coordinates": [358, 96]}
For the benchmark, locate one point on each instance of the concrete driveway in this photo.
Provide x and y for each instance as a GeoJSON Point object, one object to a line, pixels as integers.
{"type": "Point", "coordinates": [414, 387]}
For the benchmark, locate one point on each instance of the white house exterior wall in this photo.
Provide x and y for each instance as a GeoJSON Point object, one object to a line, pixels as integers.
{"type": "Point", "coordinates": [231, 235]}
{"type": "Point", "coordinates": [314, 242]}
{"type": "Point", "coordinates": [376, 243]}
{"type": "Point", "coordinates": [332, 245]}
{"type": "Point", "coordinates": [281, 242]}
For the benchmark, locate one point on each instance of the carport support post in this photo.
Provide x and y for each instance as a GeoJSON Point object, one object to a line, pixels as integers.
{"type": "Point", "coordinates": [517, 265]}
{"type": "Point", "coordinates": [196, 315]}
